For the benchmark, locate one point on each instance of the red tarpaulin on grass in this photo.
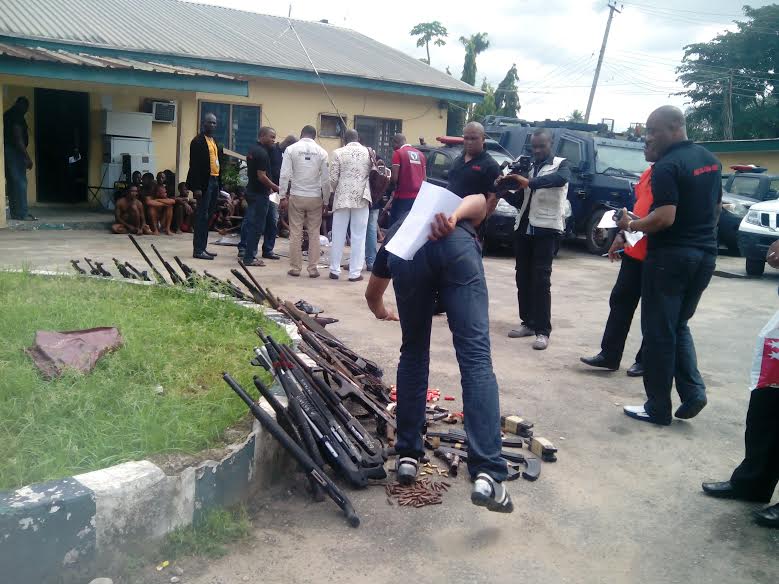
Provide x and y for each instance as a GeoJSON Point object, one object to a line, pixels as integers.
{"type": "Point", "coordinates": [80, 350]}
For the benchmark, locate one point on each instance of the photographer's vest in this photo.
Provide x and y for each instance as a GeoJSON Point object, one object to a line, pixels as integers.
{"type": "Point", "coordinates": [547, 206]}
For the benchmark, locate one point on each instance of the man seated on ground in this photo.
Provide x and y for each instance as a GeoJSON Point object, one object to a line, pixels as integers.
{"type": "Point", "coordinates": [159, 208]}
{"type": "Point", "coordinates": [147, 186]}
{"type": "Point", "coordinates": [129, 214]}
{"type": "Point", "coordinates": [283, 225]}
{"type": "Point", "coordinates": [450, 265]}
{"type": "Point", "coordinates": [184, 209]}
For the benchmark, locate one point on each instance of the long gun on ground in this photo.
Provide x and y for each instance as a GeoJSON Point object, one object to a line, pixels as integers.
{"type": "Point", "coordinates": [157, 275]}
{"type": "Point", "coordinates": [174, 277]}
{"type": "Point", "coordinates": [304, 460]}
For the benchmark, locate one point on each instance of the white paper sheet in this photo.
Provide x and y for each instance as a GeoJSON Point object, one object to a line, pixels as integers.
{"type": "Point", "coordinates": [415, 230]}
{"type": "Point", "coordinates": [607, 221]}
{"type": "Point", "coordinates": [633, 238]}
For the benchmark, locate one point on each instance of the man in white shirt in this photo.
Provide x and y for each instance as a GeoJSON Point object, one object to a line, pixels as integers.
{"type": "Point", "coordinates": [304, 168]}
{"type": "Point", "coordinates": [350, 168]}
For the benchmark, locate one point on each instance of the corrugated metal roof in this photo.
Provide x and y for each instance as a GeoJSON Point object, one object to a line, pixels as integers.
{"type": "Point", "coordinates": [86, 60]}
{"type": "Point", "coordinates": [172, 27]}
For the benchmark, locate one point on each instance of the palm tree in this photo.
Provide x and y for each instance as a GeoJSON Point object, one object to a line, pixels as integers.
{"type": "Point", "coordinates": [576, 116]}
{"type": "Point", "coordinates": [428, 32]}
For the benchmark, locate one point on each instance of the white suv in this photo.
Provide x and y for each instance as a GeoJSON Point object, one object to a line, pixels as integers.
{"type": "Point", "coordinates": [758, 230]}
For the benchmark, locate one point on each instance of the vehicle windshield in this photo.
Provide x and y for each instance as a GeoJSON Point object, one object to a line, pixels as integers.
{"type": "Point", "coordinates": [614, 159]}
{"type": "Point", "coordinates": [746, 186]}
{"type": "Point", "coordinates": [500, 157]}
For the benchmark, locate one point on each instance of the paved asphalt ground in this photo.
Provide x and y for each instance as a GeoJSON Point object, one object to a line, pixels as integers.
{"type": "Point", "coordinates": [623, 504]}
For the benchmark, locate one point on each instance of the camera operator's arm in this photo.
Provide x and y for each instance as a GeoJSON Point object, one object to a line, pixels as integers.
{"type": "Point", "coordinates": [556, 179]}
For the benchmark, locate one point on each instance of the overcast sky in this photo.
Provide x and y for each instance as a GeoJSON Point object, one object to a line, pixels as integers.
{"type": "Point", "coordinates": [555, 44]}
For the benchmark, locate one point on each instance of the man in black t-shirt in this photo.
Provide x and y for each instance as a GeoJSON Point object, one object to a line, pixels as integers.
{"type": "Point", "coordinates": [257, 196]}
{"type": "Point", "coordinates": [682, 250]}
{"type": "Point", "coordinates": [474, 171]}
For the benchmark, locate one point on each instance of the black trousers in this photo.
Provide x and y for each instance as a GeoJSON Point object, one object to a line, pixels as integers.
{"type": "Point", "coordinates": [672, 284]}
{"type": "Point", "coordinates": [206, 207]}
{"type": "Point", "coordinates": [534, 255]}
{"type": "Point", "coordinates": [756, 477]}
{"type": "Point", "coordinates": [622, 303]}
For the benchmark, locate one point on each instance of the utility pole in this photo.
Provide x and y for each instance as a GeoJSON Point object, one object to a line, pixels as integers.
{"type": "Point", "coordinates": [612, 10]}
{"type": "Point", "coordinates": [727, 110]}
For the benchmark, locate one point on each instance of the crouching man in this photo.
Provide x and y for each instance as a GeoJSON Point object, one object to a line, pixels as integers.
{"type": "Point", "coordinates": [450, 265]}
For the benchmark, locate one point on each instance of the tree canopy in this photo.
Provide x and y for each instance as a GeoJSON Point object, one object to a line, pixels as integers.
{"type": "Point", "coordinates": [428, 32]}
{"type": "Point", "coordinates": [736, 70]}
{"type": "Point", "coordinates": [506, 96]}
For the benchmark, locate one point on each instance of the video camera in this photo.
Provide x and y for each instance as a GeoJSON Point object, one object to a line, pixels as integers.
{"type": "Point", "coordinates": [520, 166]}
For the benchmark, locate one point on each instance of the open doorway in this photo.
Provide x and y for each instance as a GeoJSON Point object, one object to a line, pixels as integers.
{"type": "Point", "coordinates": [61, 142]}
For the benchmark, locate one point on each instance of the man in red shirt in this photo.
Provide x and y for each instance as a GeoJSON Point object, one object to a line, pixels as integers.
{"type": "Point", "coordinates": [408, 172]}
{"type": "Point", "coordinates": [627, 290]}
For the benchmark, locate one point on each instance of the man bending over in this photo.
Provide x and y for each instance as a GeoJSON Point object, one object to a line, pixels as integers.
{"type": "Point", "coordinates": [450, 265]}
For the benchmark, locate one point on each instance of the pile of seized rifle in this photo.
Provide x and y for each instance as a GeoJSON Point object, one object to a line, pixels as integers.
{"type": "Point", "coordinates": [320, 378]}
{"type": "Point", "coordinates": [189, 279]}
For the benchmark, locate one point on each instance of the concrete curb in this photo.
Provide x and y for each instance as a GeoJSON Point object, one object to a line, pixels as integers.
{"type": "Point", "coordinates": [51, 528]}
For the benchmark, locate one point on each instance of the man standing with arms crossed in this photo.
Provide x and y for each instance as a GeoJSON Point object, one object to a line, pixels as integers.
{"type": "Point", "coordinates": [408, 172]}
{"type": "Point", "coordinates": [304, 169]}
{"type": "Point", "coordinates": [681, 254]}
{"type": "Point", "coordinates": [205, 180]}
{"type": "Point", "coordinates": [539, 226]}
{"type": "Point", "coordinates": [350, 168]}
{"type": "Point", "coordinates": [258, 191]}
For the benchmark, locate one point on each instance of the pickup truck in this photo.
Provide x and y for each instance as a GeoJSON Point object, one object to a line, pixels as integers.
{"type": "Point", "coordinates": [740, 192]}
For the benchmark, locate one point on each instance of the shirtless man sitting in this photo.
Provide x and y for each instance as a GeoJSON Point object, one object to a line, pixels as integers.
{"type": "Point", "coordinates": [160, 210]}
{"type": "Point", "coordinates": [129, 215]}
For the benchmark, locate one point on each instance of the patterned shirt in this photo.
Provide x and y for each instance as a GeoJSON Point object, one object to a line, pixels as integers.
{"type": "Point", "coordinates": [350, 168]}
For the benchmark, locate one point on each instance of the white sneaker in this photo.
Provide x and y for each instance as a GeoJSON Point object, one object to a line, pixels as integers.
{"type": "Point", "coordinates": [522, 331]}
{"type": "Point", "coordinates": [406, 470]}
{"type": "Point", "coordinates": [489, 493]}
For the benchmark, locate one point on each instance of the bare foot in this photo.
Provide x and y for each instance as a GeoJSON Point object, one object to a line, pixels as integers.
{"type": "Point", "coordinates": [155, 232]}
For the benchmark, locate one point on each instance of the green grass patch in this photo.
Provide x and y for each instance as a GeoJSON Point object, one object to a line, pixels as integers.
{"type": "Point", "coordinates": [207, 537]}
{"type": "Point", "coordinates": [77, 423]}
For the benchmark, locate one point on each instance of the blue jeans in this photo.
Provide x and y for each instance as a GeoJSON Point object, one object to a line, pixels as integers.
{"type": "Point", "coordinates": [370, 238]}
{"type": "Point", "coordinates": [672, 283]}
{"type": "Point", "coordinates": [453, 268]}
{"type": "Point", "coordinates": [253, 224]}
{"type": "Point", "coordinates": [399, 208]}
{"type": "Point", "coordinates": [206, 207]}
{"type": "Point", "coordinates": [271, 229]}
{"type": "Point", "coordinates": [16, 182]}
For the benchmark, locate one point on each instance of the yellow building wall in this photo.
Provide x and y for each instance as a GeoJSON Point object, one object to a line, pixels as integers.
{"type": "Point", "coordinates": [768, 159]}
{"type": "Point", "coordinates": [164, 136]}
{"type": "Point", "coordinates": [286, 106]}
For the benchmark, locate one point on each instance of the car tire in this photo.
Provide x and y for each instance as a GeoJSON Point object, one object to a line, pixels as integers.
{"type": "Point", "coordinates": [755, 267]}
{"type": "Point", "coordinates": [598, 240]}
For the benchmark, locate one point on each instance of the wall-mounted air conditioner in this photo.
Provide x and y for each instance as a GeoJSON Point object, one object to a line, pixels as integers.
{"type": "Point", "coordinates": [163, 111]}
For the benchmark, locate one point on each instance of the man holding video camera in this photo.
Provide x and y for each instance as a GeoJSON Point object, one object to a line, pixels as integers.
{"type": "Point", "coordinates": [540, 200]}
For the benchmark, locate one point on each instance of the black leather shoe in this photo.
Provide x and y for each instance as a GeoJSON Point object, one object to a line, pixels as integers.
{"type": "Point", "coordinates": [768, 517]}
{"type": "Point", "coordinates": [202, 256]}
{"type": "Point", "coordinates": [600, 361]}
{"type": "Point", "coordinates": [213, 255]}
{"type": "Point", "coordinates": [271, 256]}
{"type": "Point", "coordinates": [725, 490]}
{"type": "Point", "coordinates": [636, 370]}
